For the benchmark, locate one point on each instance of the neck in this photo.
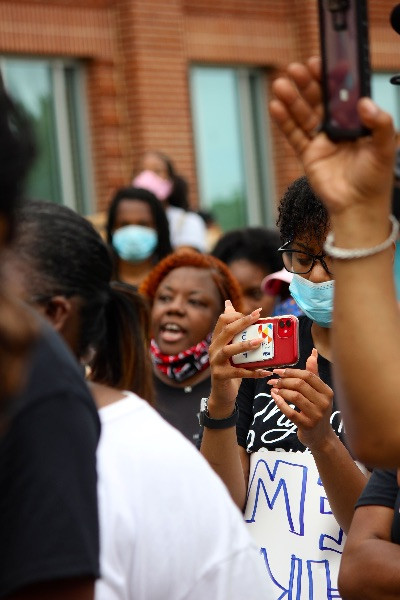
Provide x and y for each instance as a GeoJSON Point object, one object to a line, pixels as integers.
{"type": "Point", "coordinates": [190, 381]}
{"type": "Point", "coordinates": [134, 273]}
{"type": "Point", "coordinates": [104, 395]}
{"type": "Point", "coordinates": [322, 340]}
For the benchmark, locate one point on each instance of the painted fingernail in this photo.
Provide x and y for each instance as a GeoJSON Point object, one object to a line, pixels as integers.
{"type": "Point", "coordinates": [279, 372]}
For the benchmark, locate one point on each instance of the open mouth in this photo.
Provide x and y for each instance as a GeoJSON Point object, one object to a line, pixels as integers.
{"type": "Point", "coordinates": [171, 332]}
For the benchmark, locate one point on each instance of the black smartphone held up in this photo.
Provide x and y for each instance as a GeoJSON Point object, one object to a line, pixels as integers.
{"type": "Point", "coordinates": [346, 69]}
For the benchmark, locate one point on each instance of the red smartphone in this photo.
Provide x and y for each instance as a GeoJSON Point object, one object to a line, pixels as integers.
{"type": "Point", "coordinates": [280, 346]}
{"type": "Point", "coordinates": [343, 26]}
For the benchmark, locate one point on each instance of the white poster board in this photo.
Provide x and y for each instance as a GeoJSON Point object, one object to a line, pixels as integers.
{"type": "Point", "coordinates": [289, 516]}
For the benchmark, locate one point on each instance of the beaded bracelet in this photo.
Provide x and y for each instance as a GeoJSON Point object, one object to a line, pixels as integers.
{"type": "Point", "coordinates": [347, 254]}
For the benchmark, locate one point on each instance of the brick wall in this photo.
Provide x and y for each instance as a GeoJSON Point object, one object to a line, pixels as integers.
{"type": "Point", "coordinates": [138, 54]}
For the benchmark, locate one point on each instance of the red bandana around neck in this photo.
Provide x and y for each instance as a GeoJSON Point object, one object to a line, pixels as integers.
{"type": "Point", "coordinates": [183, 365]}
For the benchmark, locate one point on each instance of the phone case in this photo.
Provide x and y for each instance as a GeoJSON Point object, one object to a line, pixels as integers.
{"type": "Point", "coordinates": [279, 348]}
{"type": "Point", "coordinates": [346, 71]}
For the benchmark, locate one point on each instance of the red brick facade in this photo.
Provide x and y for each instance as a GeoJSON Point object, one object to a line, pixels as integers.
{"type": "Point", "coordinates": [138, 54]}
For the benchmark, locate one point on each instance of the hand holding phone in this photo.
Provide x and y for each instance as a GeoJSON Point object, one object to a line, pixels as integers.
{"type": "Point", "coordinates": [280, 345]}
{"type": "Point", "coordinates": [345, 66]}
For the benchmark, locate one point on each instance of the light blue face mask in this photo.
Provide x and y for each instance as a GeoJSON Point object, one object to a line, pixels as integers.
{"type": "Point", "coordinates": [134, 243]}
{"type": "Point", "coordinates": [314, 299]}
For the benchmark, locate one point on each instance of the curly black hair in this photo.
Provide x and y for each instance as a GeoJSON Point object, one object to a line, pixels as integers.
{"type": "Point", "coordinates": [258, 245]}
{"type": "Point", "coordinates": [302, 214]}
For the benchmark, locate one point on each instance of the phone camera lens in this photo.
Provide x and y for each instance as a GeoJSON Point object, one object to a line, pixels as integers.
{"type": "Point", "coordinates": [282, 324]}
{"type": "Point", "coordinates": [288, 323]}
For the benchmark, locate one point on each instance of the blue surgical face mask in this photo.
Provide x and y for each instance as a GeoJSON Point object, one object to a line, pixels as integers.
{"type": "Point", "coordinates": [315, 299]}
{"type": "Point", "coordinates": [134, 243]}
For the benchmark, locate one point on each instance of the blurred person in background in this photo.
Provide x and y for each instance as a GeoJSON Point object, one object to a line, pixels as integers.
{"type": "Point", "coordinates": [157, 497]}
{"type": "Point", "coordinates": [137, 229]}
{"type": "Point", "coordinates": [157, 174]}
{"type": "Point", "coordinates": [187, 291]}
{"type": "Point", "coordinates": [213, 229]}
{"type": "Point", "coordinates": [277, 285]}
{"type": "Point", "coordinates": [251, 254]}
{"type": "Point", "coordinates": [50, 428]}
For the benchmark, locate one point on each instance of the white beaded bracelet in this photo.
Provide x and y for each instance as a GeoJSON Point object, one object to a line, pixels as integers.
{"type": "Point", "coordinates": [347, 254]}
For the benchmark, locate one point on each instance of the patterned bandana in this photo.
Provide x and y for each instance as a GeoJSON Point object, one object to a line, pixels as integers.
{"type": "Point", "coordinates": [183, 365]}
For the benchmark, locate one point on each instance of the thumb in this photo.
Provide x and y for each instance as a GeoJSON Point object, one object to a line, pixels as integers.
{"type": "Point", "coordinates": [312, 362]}
{"type": "Point", "coordinates": [381, 125]}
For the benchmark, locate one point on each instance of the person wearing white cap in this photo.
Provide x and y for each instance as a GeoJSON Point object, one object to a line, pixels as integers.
{"type": "Point", "coordinates": [277, 285]}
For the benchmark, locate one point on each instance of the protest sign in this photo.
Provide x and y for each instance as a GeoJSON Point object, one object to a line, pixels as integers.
{"type": "Point", "coordinates": [289, 516]}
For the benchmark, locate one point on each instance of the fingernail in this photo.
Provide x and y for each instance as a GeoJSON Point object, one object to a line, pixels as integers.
{"type": "Point", "coordinates": [256, 342]}
{"type": "Point", "coordinates": [227, 303]}
{"type": "Point", "coordinates": [256, 312]}
{"type": "Point", "coordinates": [279, 372]}
{"type": "Point", "coordinates": [272, 382]}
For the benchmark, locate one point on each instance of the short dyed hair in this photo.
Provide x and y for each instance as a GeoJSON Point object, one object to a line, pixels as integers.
{"type": "Point", "coordinates": [226, 283]}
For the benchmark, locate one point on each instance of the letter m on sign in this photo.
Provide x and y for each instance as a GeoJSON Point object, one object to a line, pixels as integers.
{"type": "Point", "coordinates": [278, 487]}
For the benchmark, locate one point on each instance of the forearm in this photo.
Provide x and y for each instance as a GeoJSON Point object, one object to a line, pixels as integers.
{"type": "Point", "coordinates": [366, 334]}
{"type": "Point", "coordinates": [370, 571]}
{"type": "Point", "coordinates": [220, 448]}
{"type": "Point", "coordinates": [343, 481]}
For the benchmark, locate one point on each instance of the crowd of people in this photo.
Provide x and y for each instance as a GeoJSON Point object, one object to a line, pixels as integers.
{"type": "Point", "coordinates": [136, 460]}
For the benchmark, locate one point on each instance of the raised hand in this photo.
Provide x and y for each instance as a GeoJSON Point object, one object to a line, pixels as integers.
{"type": "Point", "coordinates": [225, 379]}
{"type": "Point", "coordinates": [355, 174]}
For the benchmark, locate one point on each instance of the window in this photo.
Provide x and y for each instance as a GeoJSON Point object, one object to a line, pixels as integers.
{"type": "Point", "coordinates": [386, 95]}
{"type": "Point", "coordinates": [230, 144]}
{"type": "Point", "coordinates": [51, 92]}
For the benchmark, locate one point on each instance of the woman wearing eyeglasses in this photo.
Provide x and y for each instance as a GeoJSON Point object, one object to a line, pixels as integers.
{"type": "Point", "coordinates": [294, 411]}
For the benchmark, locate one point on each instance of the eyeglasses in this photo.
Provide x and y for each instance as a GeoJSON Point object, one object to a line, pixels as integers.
{"type": "Point", "coordinates": [300, 262]}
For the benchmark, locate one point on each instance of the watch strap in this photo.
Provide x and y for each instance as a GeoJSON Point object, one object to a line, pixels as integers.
{"type": "Point", "coordinates": [207, 421]}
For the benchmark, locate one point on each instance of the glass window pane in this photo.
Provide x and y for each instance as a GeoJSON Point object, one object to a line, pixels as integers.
{"type": "Point", "coordinates": [30, 83]}
{"type": "Point", "coordinates": [386, 95]}
{"type": "Point", "coordinates": [216, 120]}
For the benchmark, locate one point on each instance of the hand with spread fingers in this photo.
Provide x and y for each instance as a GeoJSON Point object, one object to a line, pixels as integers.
{"type": "Point", "coordinates": [347, 174]}
{"type": "Point", "coordinates": [225, 379]}
{"type": "Point", "coordinates": [311, 396]}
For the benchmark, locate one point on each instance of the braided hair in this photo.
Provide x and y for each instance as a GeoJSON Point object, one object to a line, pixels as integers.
{"type": "Point", "coordinates": [62, 254]}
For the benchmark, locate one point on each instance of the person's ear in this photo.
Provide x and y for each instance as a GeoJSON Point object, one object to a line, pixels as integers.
{"type": "Point", "coordinates": [57, 311]}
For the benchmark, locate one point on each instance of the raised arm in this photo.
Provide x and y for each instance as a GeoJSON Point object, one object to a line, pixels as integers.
{"type": "Point", "coordinates": [354, 179]}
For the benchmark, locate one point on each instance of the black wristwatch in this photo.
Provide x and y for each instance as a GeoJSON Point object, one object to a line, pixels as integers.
{"type": "Point", "coordinates": [206, 421]}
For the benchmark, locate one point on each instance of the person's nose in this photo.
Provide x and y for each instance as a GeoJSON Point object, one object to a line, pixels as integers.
{"type": "Point", "coordinates": [318, 274]}
{"type": "Point", "coordinates": [176, 306]}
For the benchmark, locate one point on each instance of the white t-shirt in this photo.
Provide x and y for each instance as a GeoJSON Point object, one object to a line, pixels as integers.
{"type": "Point", "coordinates": [186, 228]}
{"type": "Point", "coordinates": [168, 528]}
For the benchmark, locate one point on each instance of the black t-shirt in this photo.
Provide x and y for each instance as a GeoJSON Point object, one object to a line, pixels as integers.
{"type": "Point", "coordinates": [382, 490]}
{"type": "Point", "coordinates": [48, 499]}
{"type": "Point", "coordinates": [180, 406]}
{"type": "Point", "coordinates": [261, 424]}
